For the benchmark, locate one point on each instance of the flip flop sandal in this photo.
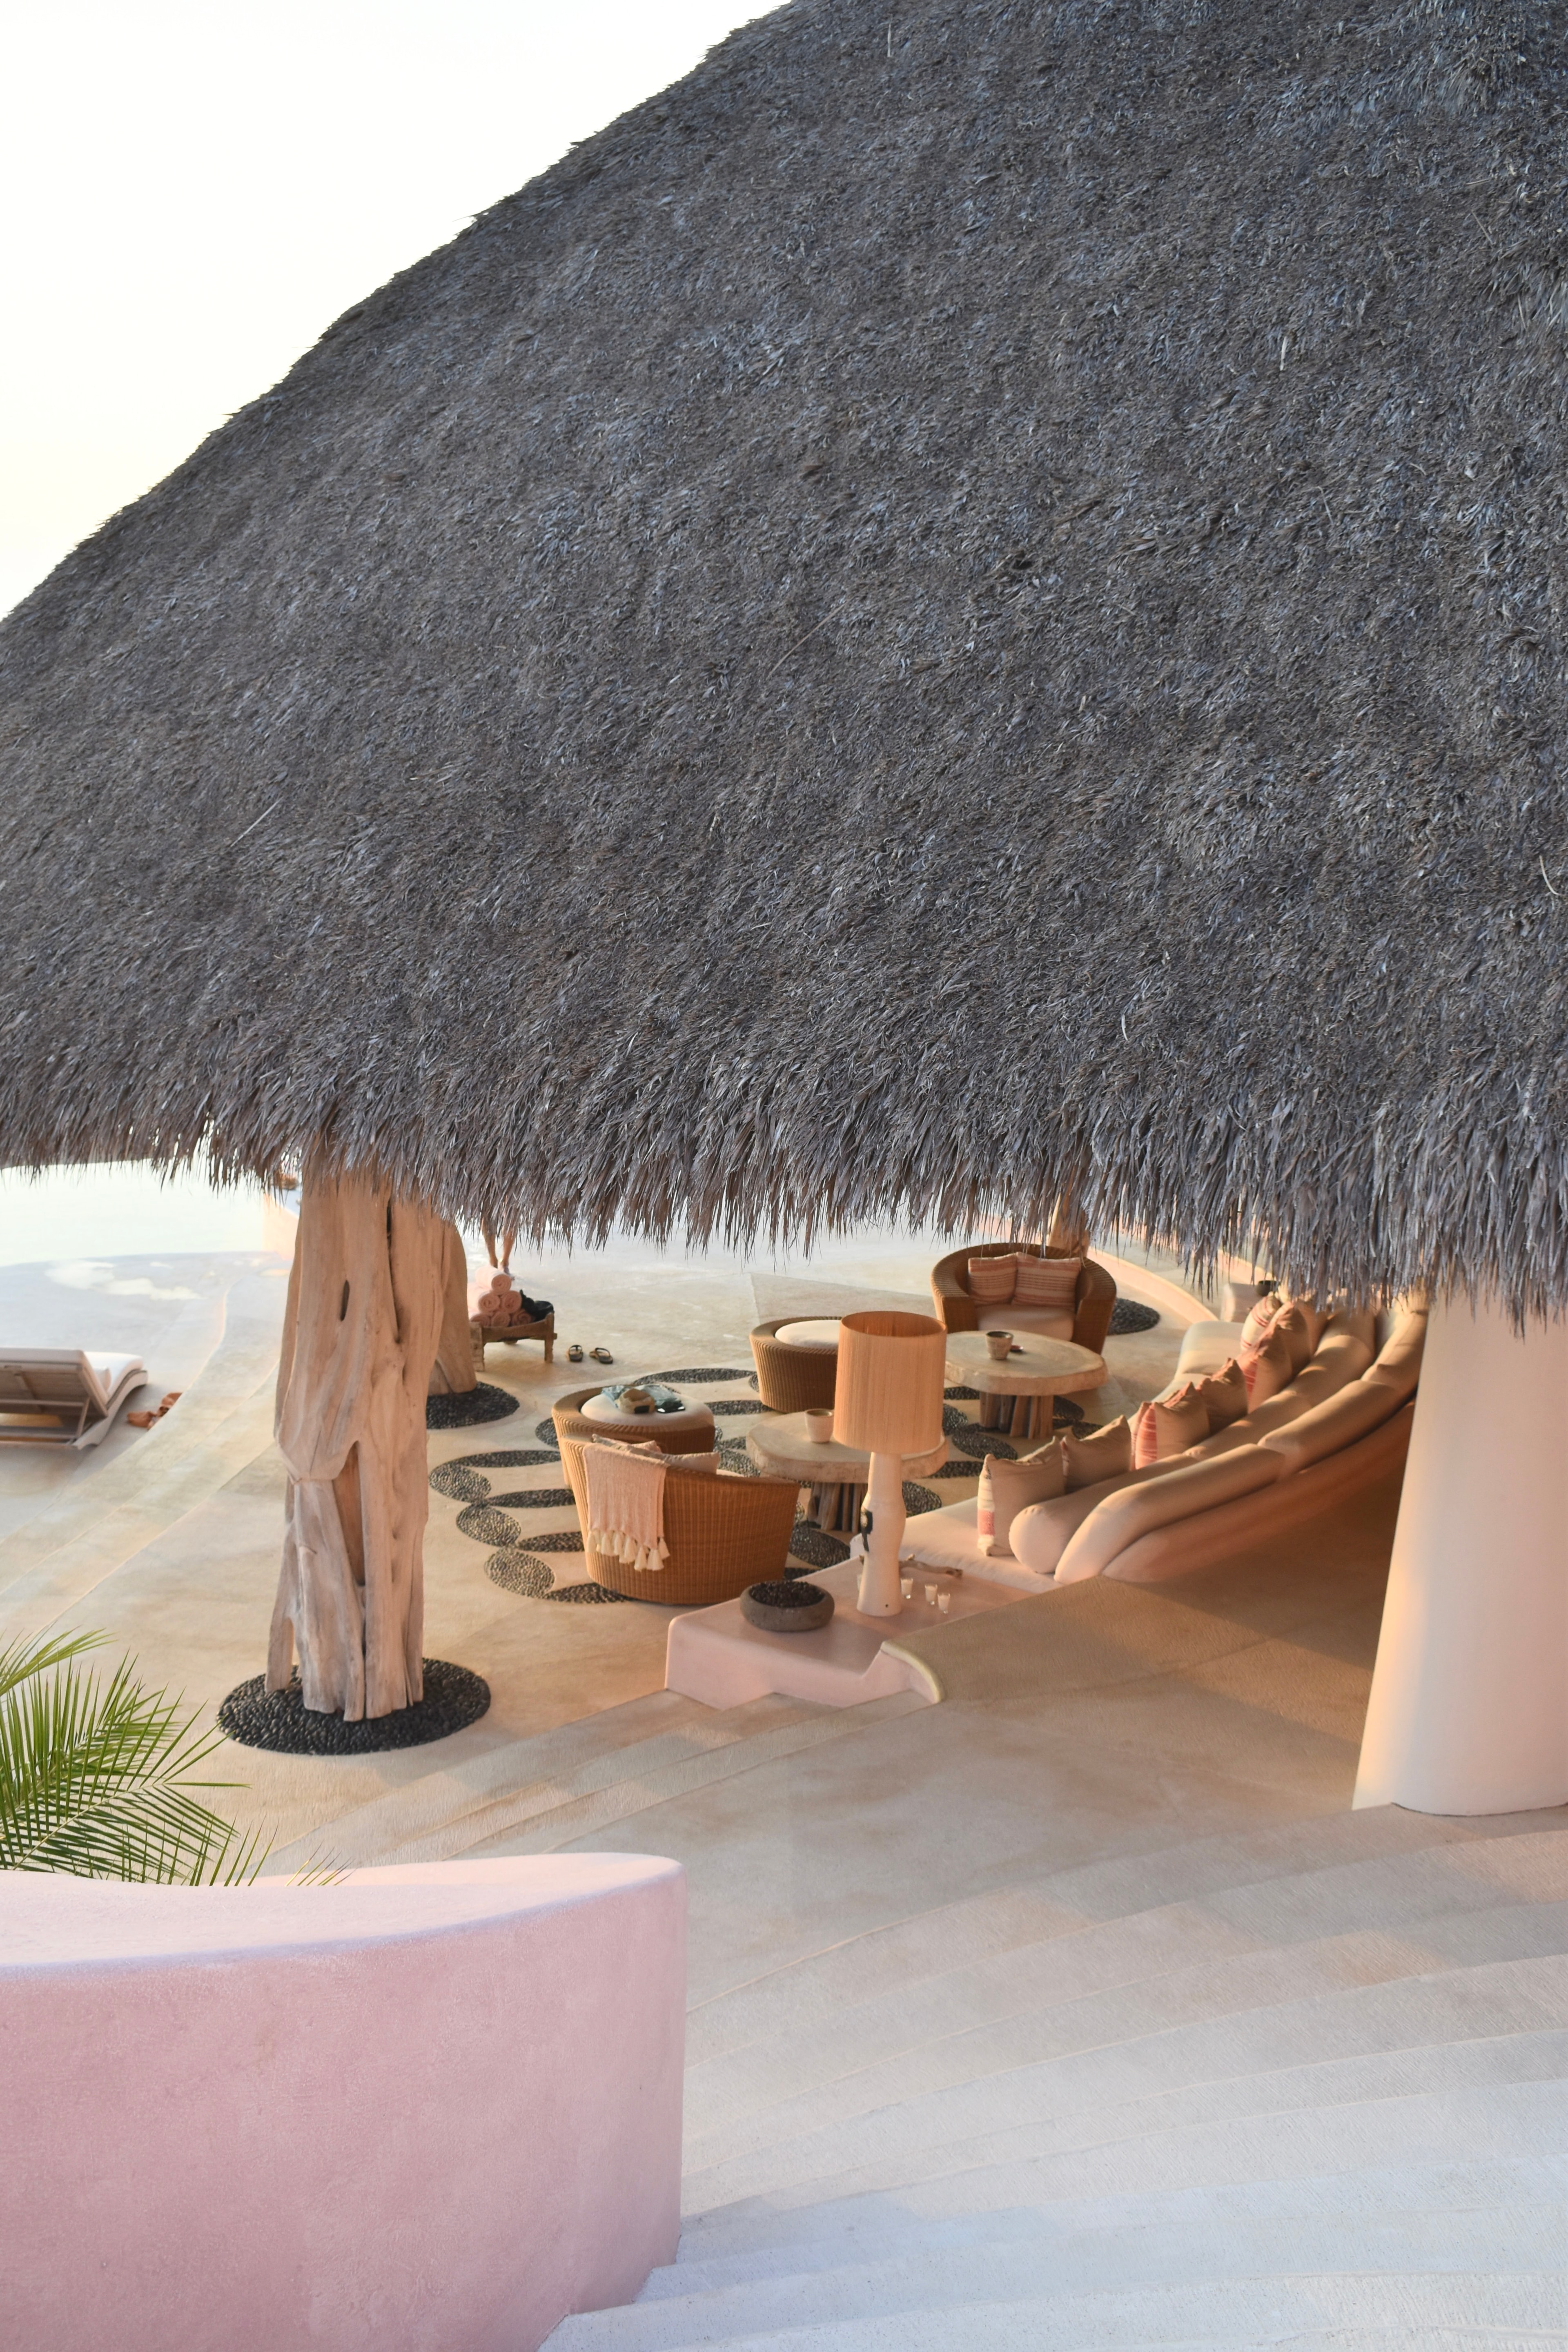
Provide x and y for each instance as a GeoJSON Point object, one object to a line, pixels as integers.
{"type": "Point", "coordinates": [574, 1353]}
{"type": "Point", "coordinates": [600, 1355]}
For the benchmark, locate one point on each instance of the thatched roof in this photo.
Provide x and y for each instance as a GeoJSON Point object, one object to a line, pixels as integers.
{"type": "Point", "coordinates": [955, 604]}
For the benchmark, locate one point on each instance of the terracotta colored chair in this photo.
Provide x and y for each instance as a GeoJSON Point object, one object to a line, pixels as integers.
{"type": "Point", "coordinates": [792, 1380]}
{"type": "Point", "coordinates": [723, 1534]}
{"type": "Point", "coordinates": [569, 1421]}
{"type": "Point", "coordinates": [957, 1311]}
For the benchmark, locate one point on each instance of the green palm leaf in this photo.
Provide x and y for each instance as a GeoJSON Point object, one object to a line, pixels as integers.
{"type": "Point", "coordinates": [99, 1779]}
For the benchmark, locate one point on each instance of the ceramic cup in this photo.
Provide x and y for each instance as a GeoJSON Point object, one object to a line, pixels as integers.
{"type": "Point", "coordinates": [997, 1344]}
{"type": "Point", "coordinates": [819, 1424]}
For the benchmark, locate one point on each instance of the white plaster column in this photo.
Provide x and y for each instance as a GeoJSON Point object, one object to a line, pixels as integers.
{"type": "Point", "coordinates": [1469, 1711]}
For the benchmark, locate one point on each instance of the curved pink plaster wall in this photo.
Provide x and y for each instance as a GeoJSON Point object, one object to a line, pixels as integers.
{"type": "Point", "coordinates": [427, 2109]}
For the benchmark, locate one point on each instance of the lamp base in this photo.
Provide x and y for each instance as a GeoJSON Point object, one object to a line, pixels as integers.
{"type": "Point", "coordinates": [879, 1595]}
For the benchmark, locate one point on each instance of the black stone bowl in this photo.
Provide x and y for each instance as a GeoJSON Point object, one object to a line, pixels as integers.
{"type": "Point", "coordinates": [795, 1606]}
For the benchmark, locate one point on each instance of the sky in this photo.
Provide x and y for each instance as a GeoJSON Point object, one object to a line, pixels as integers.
{"type": "Point", "coordinates": [192, 193]}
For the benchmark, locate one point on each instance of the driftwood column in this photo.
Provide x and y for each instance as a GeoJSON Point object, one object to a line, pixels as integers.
{"type": "Point", "coordinates": [359, 1340]}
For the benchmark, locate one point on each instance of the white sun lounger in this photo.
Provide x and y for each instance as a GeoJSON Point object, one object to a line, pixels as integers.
{"type": "Point", "coordinates": [63, 1396]}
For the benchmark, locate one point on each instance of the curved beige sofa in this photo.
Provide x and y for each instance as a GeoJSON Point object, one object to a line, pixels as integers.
{"type": "Point", "coordinates": [1342, 1422]}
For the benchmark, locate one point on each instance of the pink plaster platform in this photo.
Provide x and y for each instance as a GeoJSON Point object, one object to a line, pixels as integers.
{"type": "Point", "coordinates": [714, 1655]}
{"type": "Point", "coordinates": [420, 2108]}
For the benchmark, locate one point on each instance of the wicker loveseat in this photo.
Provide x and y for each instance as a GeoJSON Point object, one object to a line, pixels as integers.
{"type": "Point", "coordinates": [723, 1533]}
{"type": "Point", "coordinates": [792, 1380]}
{"type": "Point", "coordinates": [1095, 1298]}
{"type": "Point", "coordinates": [569, 1421]}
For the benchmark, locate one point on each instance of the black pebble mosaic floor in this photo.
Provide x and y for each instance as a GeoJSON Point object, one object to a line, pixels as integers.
{"type": "Point", "coordinates": [519, 1562]}
{"type": "Point", "coordinates": [485, 1402]}
{"type": "Point", "coordinates": [280, 1720]}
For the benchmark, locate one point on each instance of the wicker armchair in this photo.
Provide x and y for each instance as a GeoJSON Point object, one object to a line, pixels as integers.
{"type": "Point", "coordinates": [1095, 1296]}
{"type": "Point", "coordinates": [723, 1534]}
{"type": "Point", "coordinates": [650, 1428]}
{"type": "Point", "coordinates": [792, 1380]}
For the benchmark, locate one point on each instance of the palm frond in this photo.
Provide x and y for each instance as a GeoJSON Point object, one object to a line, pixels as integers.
{"type": "Point", "coordinates": [100, 1780]}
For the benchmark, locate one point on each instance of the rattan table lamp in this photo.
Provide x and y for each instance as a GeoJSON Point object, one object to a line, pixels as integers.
{"type": "Point", "coordinates": [888, 1403]}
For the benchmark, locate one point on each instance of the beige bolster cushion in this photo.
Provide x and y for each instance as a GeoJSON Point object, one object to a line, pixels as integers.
{"type": "Point", "coordinates": [1042, 1531]}
{"type": "Point", "coordinates": [1355, 1323]}
{"type": "Point", "coordinates": [1184, 1490]}
{"type": "Point", "coordinates": [1340, 1358]}
{"type": "Point", "coordinates": [1329, 1428]}
{"type": "Point", "coordinates": [1398, 1365]}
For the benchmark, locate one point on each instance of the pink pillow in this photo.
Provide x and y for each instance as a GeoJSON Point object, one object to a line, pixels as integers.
{"type": "Point", "coordinates": [1255, 1329]}
{"type": "Point", "coordinates": [1051, 1282]}
{"type": "Point", "coordinates": [1008, 1487]}
{"type": "Point", "coordinates": [1161, 1431]}
{"type": "Point", "coordinates": [1269, 1371]}
{"type": "Point", "coordinates": [1295, 1325]}
{"type": "Point", "coordinates": [991, 1279]}
{"type": "Point", "coordinates": [1223, 1394]}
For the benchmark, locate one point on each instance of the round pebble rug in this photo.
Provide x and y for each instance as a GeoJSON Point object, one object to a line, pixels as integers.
{"type": "Point", "coordinates": [1128, 1316]}
{"type": "Point", "coordinates": [485, 1402]}
{"type": "Point", "coordinates": [280, 1720]}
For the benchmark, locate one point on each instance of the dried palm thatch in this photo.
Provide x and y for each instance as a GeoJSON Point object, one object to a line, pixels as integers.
{"type": "Point", "coordinates": [969, 602]}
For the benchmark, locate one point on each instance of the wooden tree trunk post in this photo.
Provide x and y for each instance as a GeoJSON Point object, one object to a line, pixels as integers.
{"type": "Point", "coordinates": [453, 1372]}
{"type": "Point", "coordinates": [359, 1334]}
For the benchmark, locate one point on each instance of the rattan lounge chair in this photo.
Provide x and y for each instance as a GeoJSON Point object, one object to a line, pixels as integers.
{"type": "Point", "coordinates": [792, 1380]}
{"type": "Point", "coordinates": [723, 1534]}
{"type": "Point", "coordinates": [63, 1396]}
{"type": "Point", "coordinates": [1095, 1298]}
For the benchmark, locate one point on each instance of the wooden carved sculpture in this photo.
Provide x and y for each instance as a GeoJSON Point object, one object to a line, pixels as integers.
{"type": "Point", "coordinates": [453, 1373]}
{"type": "Point", "coordinates": [360, 1336]}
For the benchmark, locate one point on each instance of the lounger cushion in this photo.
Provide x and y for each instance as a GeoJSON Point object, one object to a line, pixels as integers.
{"type": "Point", "coordinates": [1180, 1491]}
{"type": "Point", "coordinates": [1040, 1535]}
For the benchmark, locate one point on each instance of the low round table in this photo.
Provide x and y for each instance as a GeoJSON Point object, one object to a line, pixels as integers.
{"type": "Point", "coordinates": [1016, 1393]}
{"type": "Point", "coordinates": [641, 1428]}
{"type": "Point", "coordinates": [836, 1475]}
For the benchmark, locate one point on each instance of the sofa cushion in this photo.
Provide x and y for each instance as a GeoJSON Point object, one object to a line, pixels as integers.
{"type": "Point", "coordinates": [1355, 1322]}
{"type": "Point", "coordinates": [1178, 1493]}
{"type": "Point", "coordinates": [1162, 1430]}
{"type": "Point", "coordinates": [1008, 1487]}
{"type": "Point", "coordinates": [1104, 1453]}
{"type": "Point", "coordinates": [1048, 1281]}
{"type": "Point", "coordinates": [989, 1280]}
{"type": "Point", "coordinates": [1398, 1364]}
{"type": "Point", "coordinates": [1255, 1328]}
{"type": "Point", "coordinates": [1223, 1394]}
{"type": "Point", "coordinates": [1045, 1322]}
{"type": "Point", "coordinates": [1340, 1358]}
{"type": "Point", "coordinates": [1358, 1409]}
{"type": "Point", "coordinates": [1205, 1347]}
{"type": "Point", "coordinates": [1269, 1368]}
{"type": "Point", "coordinates": [1298, 1330]}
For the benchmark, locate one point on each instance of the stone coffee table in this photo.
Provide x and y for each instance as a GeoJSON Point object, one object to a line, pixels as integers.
{"type": "Point", "coordinates": [1016, 1393]}
{"type": "Point", "coordinates": [836, 1475]}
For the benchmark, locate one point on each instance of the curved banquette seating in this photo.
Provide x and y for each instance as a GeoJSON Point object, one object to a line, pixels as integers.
{"type": "Point", "coordinates": [957, 1311]}
{"type": "Point", "coordinates": [792, 1380]}
{"type": "Point", "coordinates": [1339, 1424]}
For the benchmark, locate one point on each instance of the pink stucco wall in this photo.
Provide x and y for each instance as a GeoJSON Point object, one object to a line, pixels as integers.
{"type": "Point", "coordinates": [428, 2109]}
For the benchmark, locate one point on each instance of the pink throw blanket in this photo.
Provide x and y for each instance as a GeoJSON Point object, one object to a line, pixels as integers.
{"type": "Point", "coordinates": [626, 1504]}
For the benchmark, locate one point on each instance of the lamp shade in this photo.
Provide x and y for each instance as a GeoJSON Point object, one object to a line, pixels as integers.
{"type": "Point", "coordinates": [889, 1396]}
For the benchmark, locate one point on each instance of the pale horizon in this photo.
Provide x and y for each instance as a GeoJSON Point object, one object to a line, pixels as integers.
{"type": "Point", "coordinates": [195, 195]}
